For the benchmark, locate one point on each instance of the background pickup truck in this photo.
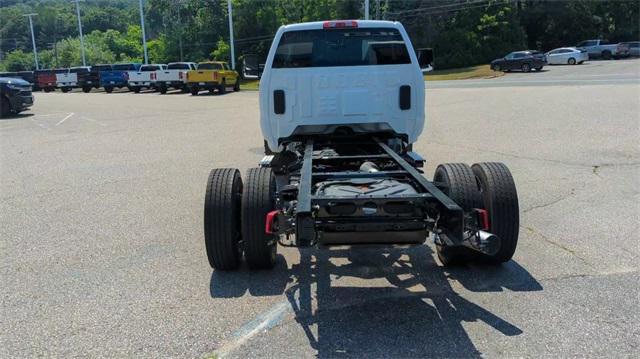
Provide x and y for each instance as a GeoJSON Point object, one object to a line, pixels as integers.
{"type": "Point", "coordinates": [175, 76]}
{"type": "Point", "coordinates": [603, 49]}
{"type": "Point", "coordinates": [212, 75]}
{"type": "Point", "coordinates": [145, 77]}
{"type": "Point", "coordinates": [118, 76]}
{"type": "Point", "coordinates": [82, 76]}
{"type": "Point", "coordinates": [45, 80]}
{"type": "Point", "coordinates": [65, 80]}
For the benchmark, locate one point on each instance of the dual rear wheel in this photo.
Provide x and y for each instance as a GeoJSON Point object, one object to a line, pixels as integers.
{"type": "Point", "coordinates": [486, 186]}
{"type": "Point", "coordinates": [235, 218]}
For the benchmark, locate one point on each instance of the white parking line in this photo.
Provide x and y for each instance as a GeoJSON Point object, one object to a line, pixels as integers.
{"type": "Point", "coordinates": [64, 119]}
{"type": "Point", "coordinates": [94, 121]}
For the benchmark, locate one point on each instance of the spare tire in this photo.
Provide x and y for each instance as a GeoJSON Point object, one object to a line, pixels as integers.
{"type": "Point", "coordinates": [222, 218]}
{"type": "Point", "coordinates": [500, 200]}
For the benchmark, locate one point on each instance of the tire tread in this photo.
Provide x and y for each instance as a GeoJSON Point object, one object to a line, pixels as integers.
{"type": "Point", "coordinates": [220, 226]}
{"type": "Point", "coordinates": [501, 201]}
{"type": "Point", "coordinates": [258, 197]}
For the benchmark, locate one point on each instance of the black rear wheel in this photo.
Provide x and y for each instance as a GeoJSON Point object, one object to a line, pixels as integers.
{"type": "Point", "coordinates": [526, 67]}
{"type": "Point", "coordinates": [108, 89]}
{"type": "Point", "coordinates": [163, 90]}
{"type": "Point", "coordinates": [458, 182]}
{"type": "Point", "coordinates": [65, 89]}
{"type": "Point", "coordinates": [86, 89]}
{"type": "Point", "coordinates": [136, 89]}
{"type": "Point", "coordinates": [571, 61]}
{"type": "Point", "coordinates": [500, 199]}
{"type": "Point", "coordinates": [222, 218]}
{"type": "Point", "coordinates": [496, 67]}
{"type": "Point", "coordinates": [5, 107]}
{"type": "Point", "coordinates": [223, 87]}
{"type": "Point", "coordinates": [194, 91]}
{"type": "Point", "coordinates": [258, 199]}
{"type": "Point", "coordinates": [236, 86]}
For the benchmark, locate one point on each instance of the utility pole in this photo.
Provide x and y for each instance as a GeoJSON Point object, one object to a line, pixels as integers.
{"type": "Point", "coordinates": [33, 39]}
{"type": "Point", "coordinates": [144, 37]}
{"type": "Point", "coordinates": [377, 9]}
{"type": "Point", "coordinates": [366, 9]}
{"type": "Point", "coordinates": [84, 61]}
{"type": "Point", "coordinates": [233, 54]}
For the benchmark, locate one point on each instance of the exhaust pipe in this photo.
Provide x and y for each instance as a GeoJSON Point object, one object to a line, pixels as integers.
{"type": "Point", "coordinates": [484, 242]}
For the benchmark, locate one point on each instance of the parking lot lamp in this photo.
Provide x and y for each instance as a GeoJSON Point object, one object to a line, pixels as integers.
{"type": "Point", "coordinates": [33, 38]}
{"type": "Point", "coordinates": [144, 37]}
{"type": "Point", "coordinates": [84, 61]}
{"type": "Point", "coordinates": [233, 54]}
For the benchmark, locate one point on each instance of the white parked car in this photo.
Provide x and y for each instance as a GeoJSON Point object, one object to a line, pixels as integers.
{"type": "Point", "coordinates": [567, 56]}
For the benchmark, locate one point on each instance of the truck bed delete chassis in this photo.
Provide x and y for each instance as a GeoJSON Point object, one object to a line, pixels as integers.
{"type": "Point", "coordinates": [379, 196]}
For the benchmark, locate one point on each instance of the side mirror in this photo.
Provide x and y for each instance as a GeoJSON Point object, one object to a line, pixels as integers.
{"type": "Point", "coordinates": [425, 59]}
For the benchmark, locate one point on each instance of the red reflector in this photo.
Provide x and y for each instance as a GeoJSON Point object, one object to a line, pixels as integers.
{"type": "Point", "coordinates": [483, 217]}
{"type": "Point", "coordinates": [180, 75]}
{"type": "Point", "coordinates": [268, 226]}
{"type": "Point", "coordinates": [340, 24]}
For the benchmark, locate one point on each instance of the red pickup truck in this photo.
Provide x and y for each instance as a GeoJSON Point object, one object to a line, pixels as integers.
{"type": "Point", "coordinates": [45, 80]}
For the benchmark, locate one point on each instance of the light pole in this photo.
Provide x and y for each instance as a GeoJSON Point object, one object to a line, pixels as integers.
{"type": "Point", "coordinates": [233, 54]}
{"type": "Point", "coordinates": [144, 37]}
{"type": "Point", "coordinates": [366, 9]}
{"type": "Point", "coordinates": [33, 39]}
{"type": "Point", "coordinates": [84, 61]}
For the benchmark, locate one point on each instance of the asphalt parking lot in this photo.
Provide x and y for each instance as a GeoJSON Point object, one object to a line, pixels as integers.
{"type": "Point", "coordinates": [103, 252]}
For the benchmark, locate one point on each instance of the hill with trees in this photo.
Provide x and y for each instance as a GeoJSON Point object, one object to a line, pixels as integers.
{"type": "Point", "coordinates": [462, 33]}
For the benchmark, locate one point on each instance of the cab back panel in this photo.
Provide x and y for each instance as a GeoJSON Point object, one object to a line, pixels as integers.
{"type": "Point", "coordinates": [319, 99]}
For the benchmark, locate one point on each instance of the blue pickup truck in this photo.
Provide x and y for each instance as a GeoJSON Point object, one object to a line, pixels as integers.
{"type": "Point", "coordinates": [118, 76]}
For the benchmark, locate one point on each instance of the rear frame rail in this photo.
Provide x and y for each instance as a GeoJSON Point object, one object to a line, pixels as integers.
{"type": "Point", "coordinates": [312, 214]}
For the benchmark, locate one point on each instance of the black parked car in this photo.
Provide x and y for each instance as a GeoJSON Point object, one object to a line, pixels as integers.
{"type": "Point", "coordinates": [520, 60]}
{"type": "Point", "coordinates": [15, 96]}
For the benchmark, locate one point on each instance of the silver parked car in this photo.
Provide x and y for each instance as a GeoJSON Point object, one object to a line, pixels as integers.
{"type": "Point", "coordinates": [567, 55]}
{"type": "Point", "coordinates": [634, 48]}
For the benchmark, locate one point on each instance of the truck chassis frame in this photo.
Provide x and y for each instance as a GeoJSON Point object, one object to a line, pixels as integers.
{"type": "Point", "coordinates": [297, 211]}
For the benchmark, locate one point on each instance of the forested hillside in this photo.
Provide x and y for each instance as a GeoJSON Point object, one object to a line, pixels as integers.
{"type": "Point", "coordinates": [462, 33]}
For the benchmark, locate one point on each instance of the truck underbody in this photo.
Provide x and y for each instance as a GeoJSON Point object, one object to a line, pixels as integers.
{"type": "Point", "coordinates": [359, 190]}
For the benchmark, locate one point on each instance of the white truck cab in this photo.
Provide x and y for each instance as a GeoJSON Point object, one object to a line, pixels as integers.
{"type": "Point", "coordinates": [321, 77]}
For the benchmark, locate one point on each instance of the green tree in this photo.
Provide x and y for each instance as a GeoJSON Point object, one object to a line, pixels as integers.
{"type": "Point", "coordinates": [18, 61]}
{"type": "Point", "coordinates": [222, 51]}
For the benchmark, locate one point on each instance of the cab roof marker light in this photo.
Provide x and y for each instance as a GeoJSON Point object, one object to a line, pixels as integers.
{"type": "Point", "coordinates": [340, 24]}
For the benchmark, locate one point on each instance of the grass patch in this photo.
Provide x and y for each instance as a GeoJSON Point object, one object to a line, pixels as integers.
{"type": "Point", "coordinates": [465, 73]}
{"type": "Point", "coordinates": [249, 84]}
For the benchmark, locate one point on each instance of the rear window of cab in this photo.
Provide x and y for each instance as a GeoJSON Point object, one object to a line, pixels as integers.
{"type": "Point", "coordinates": [179, 66]}
{"type": "Point", "coordinates": [210, 66]}
{"type": "Point", "coordinates": [341, 47]}
{"type": "Point", "coordinates": [124, 67]}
